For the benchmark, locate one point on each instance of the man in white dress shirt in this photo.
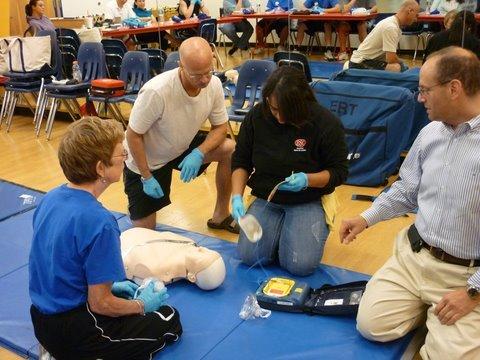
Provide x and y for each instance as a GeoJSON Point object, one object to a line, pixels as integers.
{"type": "Point", "coordinates": [119, 9]}
{"type": "Point", "coordinates": [433, 275]}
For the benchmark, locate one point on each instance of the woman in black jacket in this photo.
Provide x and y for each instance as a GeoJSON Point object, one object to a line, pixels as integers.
{"type": "Point", "coordinates": [288, 137]}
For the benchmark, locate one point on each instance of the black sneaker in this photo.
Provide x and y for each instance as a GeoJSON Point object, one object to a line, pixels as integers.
{"type": "Point", "coordinates": [232, 50]}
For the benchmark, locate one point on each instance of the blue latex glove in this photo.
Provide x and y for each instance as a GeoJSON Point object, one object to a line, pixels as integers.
{"type": "Point", "coordinates": [152, 188]}
{"type": "Point", "coordinates": [238, 210]}
{"type": "Point", "coordinates": [295, 182]}
{"type": "Point", "coordinates": [152, 300]}
{"type": "Point", "coordinates": [190, 165]}
{"type": "Point", "coordinates": [124, 289]}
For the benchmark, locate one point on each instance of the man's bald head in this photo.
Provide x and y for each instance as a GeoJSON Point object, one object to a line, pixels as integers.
{"type": "Point", "coordinates": [195, 52]}
{"type": "Point", "coordinates": [409, 4]}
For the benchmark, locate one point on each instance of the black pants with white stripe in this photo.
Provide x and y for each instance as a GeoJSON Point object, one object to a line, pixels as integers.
{"type": "Point", "coordinates": [82, 334]}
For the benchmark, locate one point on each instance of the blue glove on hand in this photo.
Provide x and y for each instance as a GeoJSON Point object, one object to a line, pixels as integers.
{"type": "Point", "coordinates": [152, 188]}
{"type": "Point", "coordinates": [238, 210]}
{"type": "Point", "coordinates": [152, 300]}
{"type": "Point", "coordinates": [295, 182]}
{"type": "Point", "coordinates": [124, 289]}
{"type": "Point", "coordinates": [190, 165]}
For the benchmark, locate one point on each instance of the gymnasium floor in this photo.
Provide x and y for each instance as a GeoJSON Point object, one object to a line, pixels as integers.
{"type": "Point", "coordinates": [33, 162]}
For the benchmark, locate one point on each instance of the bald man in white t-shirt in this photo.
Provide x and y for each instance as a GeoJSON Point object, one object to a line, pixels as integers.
{"type": "Point", "coordinates": [162, 135]}
{"type": "Point", "coordinates": [379, 49]}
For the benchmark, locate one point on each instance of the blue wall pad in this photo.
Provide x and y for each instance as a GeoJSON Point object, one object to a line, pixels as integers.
{"type": "Point", "coordinates": [15, 241]}
{"type": "Point", "coordinates": [16, 199]}
{"type": "Point", "coordinates": [16, 330]}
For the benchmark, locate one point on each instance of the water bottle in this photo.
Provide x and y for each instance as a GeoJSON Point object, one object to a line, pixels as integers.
{"type": "Point", "coordinates": [340, 5]}
{"type": "Point", "coordinates": [76, 72]}
{"type": "Point", "coordinates": [427, 7]}
{"type": "Point", "coordinates": [278, 9]}
{"type": "Point", "coordinates": [258, 7]}
{"type": "Point", "coordinates": [161, 15]}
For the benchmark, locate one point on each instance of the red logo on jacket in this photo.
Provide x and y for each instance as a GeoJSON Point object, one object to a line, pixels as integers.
{"type": "Point", "coordinates": [300, 145]}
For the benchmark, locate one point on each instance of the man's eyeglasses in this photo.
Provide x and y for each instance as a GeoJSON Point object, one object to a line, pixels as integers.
{"type": "Point", "coordinates": [424, 90]}
{"type": "Point", "coordinates": [124, 154]}
{"type": "Point", "coordinates": [199, 76]}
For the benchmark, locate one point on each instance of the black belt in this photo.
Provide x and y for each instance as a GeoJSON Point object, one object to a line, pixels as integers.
{"type": "Point", "coordinates": [417, 243]}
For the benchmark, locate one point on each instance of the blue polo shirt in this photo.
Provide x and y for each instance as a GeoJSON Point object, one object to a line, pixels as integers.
{"type": "Point", "coordinates": [324, 4]}
{"type": "Point", "coordinates": [76, 243]}
{"type": "Point", "coordinates": [284, 4]}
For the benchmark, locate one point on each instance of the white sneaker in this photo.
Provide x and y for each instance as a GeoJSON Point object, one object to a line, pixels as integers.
{"type": "Point", "coordinates": [329, 56]}
{"type": "Point", "coordinates": [281, 48]}
{"type": "Point", "coordinates": [343, 56]}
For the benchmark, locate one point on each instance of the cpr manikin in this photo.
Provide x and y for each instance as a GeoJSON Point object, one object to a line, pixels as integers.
{"type": "Point", "coordinates": [169, 257]}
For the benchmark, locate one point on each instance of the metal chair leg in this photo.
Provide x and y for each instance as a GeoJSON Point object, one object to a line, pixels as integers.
{"type": "Point", "coordinates": [217, 55]}
{"type": "Point", "coordinates": [51, 117]}
{"type": "Point", "coordinates": [11, 110]}
{"type": "Point", "coordinates": [6, 103]}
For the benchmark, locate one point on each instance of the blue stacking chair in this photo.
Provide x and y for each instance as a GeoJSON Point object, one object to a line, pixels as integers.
{"type": "Point", "coordinates": [91, 59]}
{"type": "Point", "coordinates": [207, 29]}
{"type": "Point", "coordinates": [135, 72]}
{"type": "Point", "coordinates": [32, 82]}
{"type": "Point", "coordinates": [295, 59]}
{"type": "Point", "coordinates": [157, 58]}
{"type": "Point", "coordinates": [172, 61]}
{"type": "Point", "coordinates": [377, 121]}
{"type": "Point", "coordinates": [251, 77]}
{"type": "Point", "coordinates": [407, 79]}
{"type": "Point", "coordinates": [115, 49]}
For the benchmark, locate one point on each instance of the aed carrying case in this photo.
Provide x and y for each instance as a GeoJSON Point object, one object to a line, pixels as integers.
{"type": "Point", "coordinates": [107, 87]}
{"type": "Point", "coordinates": [284, 294]}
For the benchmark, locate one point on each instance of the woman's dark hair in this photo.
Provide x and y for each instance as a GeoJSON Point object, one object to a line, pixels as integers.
{"type": "Point", "coordinates": [457, 28]}
{"type": "Point", "coordinates": [28, 7]}
{"type": "Point", "coordinates": [135, 6]}
{"type": "Point", "coordinates": [294, 95]}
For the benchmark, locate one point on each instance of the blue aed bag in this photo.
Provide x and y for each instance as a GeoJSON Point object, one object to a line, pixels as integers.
{"type": "Point", "coordinates": [284, 294]}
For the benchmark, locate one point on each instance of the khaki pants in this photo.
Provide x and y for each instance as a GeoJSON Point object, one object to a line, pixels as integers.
{"type": "Point", "coordinates": [404, 293]}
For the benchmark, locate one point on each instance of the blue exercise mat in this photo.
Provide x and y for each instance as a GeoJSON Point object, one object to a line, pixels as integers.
{"type": "Point", "coordinates": [15, 241]}
{"type": "Point", "coordinates": [16, 330]}
{"type": "Point", "coordinates": [212, 326]}
{"type": "Point", "coordinates": [16, 199]}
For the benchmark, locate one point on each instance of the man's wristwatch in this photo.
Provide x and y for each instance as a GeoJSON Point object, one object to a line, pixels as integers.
{"type": "Point", "coordinates": [473, 292]}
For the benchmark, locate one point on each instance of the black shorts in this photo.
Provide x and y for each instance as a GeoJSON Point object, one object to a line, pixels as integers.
{"type": "Point", "coordinates": [269, 25]}
{"type": "Point", "coordinates": [82, 334]}
{"type": "Point", "coordinates": [369, 65]}
{"type": "Point", "coordinates": [140, 205]}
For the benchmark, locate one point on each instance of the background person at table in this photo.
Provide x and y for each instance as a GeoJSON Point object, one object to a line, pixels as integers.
{"type": "Point", "coordinates": [288, 132]}
{"type": "Point", "coordinates": [163, 135]}
{"type": "Point", "coordinates": [231, 29]}
{"type": "Point", "coordinates": [265, 27]}
{"type": "Point", "coordinates": [444, 6]}
{"type": "Point", "coordinates": [146, 15]}
{"type": "Point", "coordinates": [345, 27]}
{"type": "Point", "coordinates": [460, 34]}
{"type": "Point", "coordinates": [186, 10]}
{"type": "Point", "coordinates": [433, 276]}
{"type": "Point", "coordinates": [328, 6]}
{"type": "Point", "coordinates": [80, 298]}
{"type": "Point", "coordinates": [119, 9]}
{"type": "Point", "coordinates": [379, 49]}
{"type": "Point", "coordinates": [36, 19]}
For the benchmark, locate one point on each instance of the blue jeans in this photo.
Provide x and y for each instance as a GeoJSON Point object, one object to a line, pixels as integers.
{"type": "Point", "coordinates": [295, 234]}
{"type": "Point", "coordinates": [231, 29]}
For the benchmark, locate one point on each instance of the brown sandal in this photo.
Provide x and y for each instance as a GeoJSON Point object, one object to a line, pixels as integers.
{"type": "Point", "coordinates": [228, 224]}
